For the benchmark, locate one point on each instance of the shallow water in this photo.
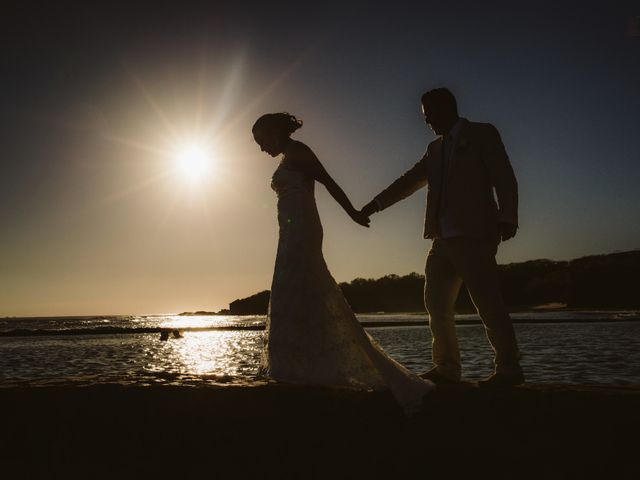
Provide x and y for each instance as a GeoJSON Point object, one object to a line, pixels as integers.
{"type": "Point", "coordinates": [606, 351]}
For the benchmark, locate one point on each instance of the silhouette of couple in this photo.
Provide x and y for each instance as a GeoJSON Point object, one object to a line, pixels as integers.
{"type": "Point", "coordinates": [313, 337]}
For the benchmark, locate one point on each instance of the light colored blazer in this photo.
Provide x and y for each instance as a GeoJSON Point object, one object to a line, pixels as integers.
{"type": "Point", "coordinates": [478, 165]}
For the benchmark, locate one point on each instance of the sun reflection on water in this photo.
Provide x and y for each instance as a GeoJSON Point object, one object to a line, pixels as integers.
{"type": "Point", "coordinates": [204, 321]}
{"type": "Point", "coordinates": [207, 353]}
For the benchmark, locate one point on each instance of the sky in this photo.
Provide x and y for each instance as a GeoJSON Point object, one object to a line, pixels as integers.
{"type": "Point", "coordinates": [98, 101]}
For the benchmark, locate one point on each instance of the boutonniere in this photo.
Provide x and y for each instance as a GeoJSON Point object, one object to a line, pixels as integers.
{"type": "Point", "coordinates": [463, 143]}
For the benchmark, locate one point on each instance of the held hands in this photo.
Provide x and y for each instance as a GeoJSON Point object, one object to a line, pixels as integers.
{"type": "Point", "coordinates": [360, 218]}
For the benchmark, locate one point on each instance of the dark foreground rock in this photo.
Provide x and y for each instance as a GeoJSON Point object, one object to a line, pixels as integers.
{"type": "Point", "coordinates": [275, 431]}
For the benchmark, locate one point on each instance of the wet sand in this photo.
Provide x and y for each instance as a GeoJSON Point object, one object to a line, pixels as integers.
{"type": "Point", "coordinates": [276, 431]}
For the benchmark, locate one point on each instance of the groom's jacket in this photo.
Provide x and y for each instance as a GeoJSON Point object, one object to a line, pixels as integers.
{"type": "Point", "coordinates": [477, 165]}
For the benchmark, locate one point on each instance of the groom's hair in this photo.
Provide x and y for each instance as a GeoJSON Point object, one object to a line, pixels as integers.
{"type": "Point", "coordinates": [440, 97]}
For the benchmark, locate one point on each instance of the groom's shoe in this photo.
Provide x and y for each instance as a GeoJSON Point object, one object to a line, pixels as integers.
{"type": "Point", "coordinates": [502, 380]}
{"type": "Point", "coordinates": [438, 378]}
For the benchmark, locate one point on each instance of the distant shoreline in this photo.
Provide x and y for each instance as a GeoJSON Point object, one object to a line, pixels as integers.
{"type": "Point", "coordinates": [223, 313]}
{"type": "Point", "coordinates": [25, 332]}
{"type": "Point", "coordinates": [592, 282]}
{"type": "Point", "coordinates": [534, 309]}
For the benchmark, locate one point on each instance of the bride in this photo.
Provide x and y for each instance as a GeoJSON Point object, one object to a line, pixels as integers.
{"type": "Point", "coordinates": [313, 336]}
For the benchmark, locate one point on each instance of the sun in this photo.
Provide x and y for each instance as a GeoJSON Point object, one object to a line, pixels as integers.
{"type": "Point", "coordinates": [194, 161]}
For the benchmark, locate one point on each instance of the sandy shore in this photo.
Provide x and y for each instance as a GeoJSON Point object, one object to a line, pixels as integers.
{"type": "Point", "coordinates": [276, 431]}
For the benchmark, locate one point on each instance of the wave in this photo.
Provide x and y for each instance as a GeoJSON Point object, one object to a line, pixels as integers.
{"type": "Point", "coordinates": [28, 332]}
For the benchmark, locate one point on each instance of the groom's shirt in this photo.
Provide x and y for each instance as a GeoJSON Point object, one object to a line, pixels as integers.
{"type": "Point", "coordinates": [446, 219]}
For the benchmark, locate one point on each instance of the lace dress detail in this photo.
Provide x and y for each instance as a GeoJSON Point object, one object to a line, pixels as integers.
{"type": "Point", "coordinates": [313, 336]}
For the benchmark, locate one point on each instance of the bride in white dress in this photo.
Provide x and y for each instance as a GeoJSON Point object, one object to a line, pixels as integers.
{"type": "Point", "coordinates": [313, 336]}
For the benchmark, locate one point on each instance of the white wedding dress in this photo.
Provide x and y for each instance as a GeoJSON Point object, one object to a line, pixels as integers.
{"type": "Point", "coordinates": [312, 336]}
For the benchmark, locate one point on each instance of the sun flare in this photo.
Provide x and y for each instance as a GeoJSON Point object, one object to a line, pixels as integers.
{"type": "Point", "coordinates": [194, 161]}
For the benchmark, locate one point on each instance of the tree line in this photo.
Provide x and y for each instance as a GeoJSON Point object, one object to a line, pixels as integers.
{"type": "Point", "coordinates": [599, 281]}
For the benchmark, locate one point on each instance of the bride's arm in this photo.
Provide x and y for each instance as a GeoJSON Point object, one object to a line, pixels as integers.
{"type": "Point", "coordinates": [309, 163]}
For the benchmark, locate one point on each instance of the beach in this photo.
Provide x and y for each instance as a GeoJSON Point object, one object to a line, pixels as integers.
{"type": "Point", "coordinates": [99, 397]}
{"type": "Point", "coordinates": [266, 430]}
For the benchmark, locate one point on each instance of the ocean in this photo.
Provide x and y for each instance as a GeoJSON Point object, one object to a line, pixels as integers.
{"type": "Point", "coordinates": [568, 346]}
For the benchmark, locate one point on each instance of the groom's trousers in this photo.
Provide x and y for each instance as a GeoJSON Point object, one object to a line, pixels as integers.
{"type": "Point", "coordinates": [450, 263]}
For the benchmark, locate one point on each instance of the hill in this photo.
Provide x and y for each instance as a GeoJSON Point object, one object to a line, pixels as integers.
{"type": "Point", "coordinates": [599, 281]}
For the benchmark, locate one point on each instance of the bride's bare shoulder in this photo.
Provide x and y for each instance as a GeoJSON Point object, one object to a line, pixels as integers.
{"type": "Point", "coordinates": [300, 157]}
{"type": "Point", "coordinates": [300, 154]}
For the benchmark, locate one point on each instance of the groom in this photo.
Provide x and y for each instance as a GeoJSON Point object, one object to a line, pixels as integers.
{"type": "Point", "coordinates": [461, 170]}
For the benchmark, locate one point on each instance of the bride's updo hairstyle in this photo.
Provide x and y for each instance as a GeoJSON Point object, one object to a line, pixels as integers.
{"type": "Point", "coordinates": [282, 124]}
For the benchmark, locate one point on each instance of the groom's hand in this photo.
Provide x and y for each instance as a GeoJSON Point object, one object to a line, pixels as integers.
{"type": "Point", "coordinates": [507, 231]}
{"type": "Point", "coordinates": [370, 208]}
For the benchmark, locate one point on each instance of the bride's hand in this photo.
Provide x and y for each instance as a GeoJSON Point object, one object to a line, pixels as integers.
{"type": "Point", "coordinates": [360, 218]}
